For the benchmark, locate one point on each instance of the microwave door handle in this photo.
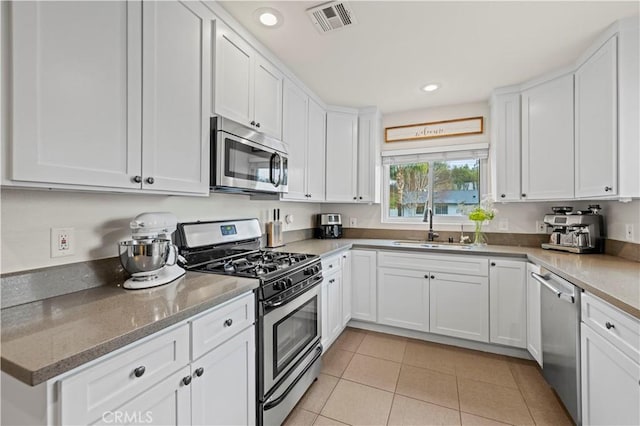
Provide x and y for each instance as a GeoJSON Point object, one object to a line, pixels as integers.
{"type": "Point", "coordinates": [272, 170]}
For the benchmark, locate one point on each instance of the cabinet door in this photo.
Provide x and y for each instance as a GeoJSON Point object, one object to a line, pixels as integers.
{"type": "Point", "coordinates": [324, 317]}
{"type": "Point", "coordinates": [403, 298]}
{"type": "Point", "coordinates": [534, 335]}
{"type": "Point", "coordinates": [610, 391]}
{"type": "Point", "coordinates": [76, 93]}
{"type": "Point", "coordinates": [459, 306]}
{"type": "Point", "coordinates": [316, 142]}
{"type": "Point", "coordinates": [508, 303]}
{"type": "Point", "coordinates": [342, 145]}
{"type": "Point", "coordinates": [295, 103]}
{"type": "Point", "coordinates": [363, 285]}
{"type": "Point", "coordinates": [505, 146]}
{"type": "Point", "coordinates": [369, 129]}
{"type": "Point", "coordinates": [596, 124]}
{"type": "Point", "coordinates": [233, 92]}
{"type": "Point", "coordinates": [167, 403]}
{"type": "Point", "coordinates": [334, 308]}
{"type": "Point", "coordinates": [225, 393]}
{"type": "Point", "coordinates": [176, 72]}
{"type": "Point", "coordinates": [547, 140]}
{"type": "Point", "coordinates": [346, 288]}
{"type": "Point", "coordinates": [267, 98]}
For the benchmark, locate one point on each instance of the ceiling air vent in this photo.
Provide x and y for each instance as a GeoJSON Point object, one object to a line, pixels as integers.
{"type": "Point", "coordinates": [332, 16]}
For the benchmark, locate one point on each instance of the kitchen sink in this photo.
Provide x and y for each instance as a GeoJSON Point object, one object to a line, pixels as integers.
{"type": "Point", "coordinates": [429, 244]}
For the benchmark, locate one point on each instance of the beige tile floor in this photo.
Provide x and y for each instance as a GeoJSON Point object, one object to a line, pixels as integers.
{"type": "Point", "coordinates": [372, 378]}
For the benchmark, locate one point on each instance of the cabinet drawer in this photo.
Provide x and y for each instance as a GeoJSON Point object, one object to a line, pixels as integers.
{"type": "Point", "coordinates": [620, 329]}
{"type": "Point", "coordinates": [467, 265]}
{"type": "Point", "coordinates": [107, 385]}
{"type": "Point", "coordinates": [331, 264]}
{"type": "Point", "coordinates": [221, 323]}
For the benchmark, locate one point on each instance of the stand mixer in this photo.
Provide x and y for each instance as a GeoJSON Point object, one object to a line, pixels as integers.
{"type": "Point", "coordinates": [150, 256]}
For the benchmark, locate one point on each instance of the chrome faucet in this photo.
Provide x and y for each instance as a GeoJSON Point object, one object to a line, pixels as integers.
{"type": "Point", "coordinates": [428, 217]}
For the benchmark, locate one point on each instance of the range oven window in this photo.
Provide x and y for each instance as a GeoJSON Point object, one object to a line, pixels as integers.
{"type": "Point", "coordinates": [246, 162]}
{"type": "Point", "coordinates": [293, 333]}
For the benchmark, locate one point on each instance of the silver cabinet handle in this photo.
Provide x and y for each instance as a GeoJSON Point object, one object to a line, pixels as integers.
{"type": "Point", "coordinates": [544, 280]}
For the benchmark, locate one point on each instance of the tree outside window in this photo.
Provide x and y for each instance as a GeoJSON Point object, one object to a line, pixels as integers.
{"type": "Point", "coordinates": [445, 185]}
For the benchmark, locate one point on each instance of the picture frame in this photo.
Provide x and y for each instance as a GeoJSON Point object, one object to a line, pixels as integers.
{"type": "Point", "coordinates": [435, 129]}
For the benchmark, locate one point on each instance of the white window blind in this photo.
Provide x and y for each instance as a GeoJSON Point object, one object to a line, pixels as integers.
{"type": "Point", "coordinates": [452, 152]}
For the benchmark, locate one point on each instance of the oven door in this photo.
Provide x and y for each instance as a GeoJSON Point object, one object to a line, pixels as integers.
{"type": "Point", "coordinates": [245, 165]}
{"type": "Point", "coordinates": [290, 331]}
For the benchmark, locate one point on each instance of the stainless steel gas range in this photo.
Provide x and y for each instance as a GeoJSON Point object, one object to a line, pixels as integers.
{"type": "Point", "coordinates": [288, 308]}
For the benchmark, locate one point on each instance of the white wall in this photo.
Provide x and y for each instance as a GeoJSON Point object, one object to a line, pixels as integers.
{"type": "Point", "coordinates": [101, 220]}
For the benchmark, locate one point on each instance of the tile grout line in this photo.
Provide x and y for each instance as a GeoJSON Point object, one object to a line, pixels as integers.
{"type": "Point", "coordinates": [526, 404]}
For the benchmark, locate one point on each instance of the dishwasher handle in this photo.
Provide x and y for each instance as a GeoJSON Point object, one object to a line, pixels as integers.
{"type": "Point", "coordinates": [544, 280]}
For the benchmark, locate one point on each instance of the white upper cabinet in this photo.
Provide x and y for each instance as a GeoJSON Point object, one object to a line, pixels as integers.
{"type": "Point", "coordinates": [77, 93]}
{"type": "Point", "coordinates": [119, 108]}
{"type": "Point", "coordinates": [248, 89]}
{"type": "Point", "coordinates": [304, 134]}
{"type": "Point", "coordinates": [547, 140]}
{"type": "Point", "coordinates": [176, 54]}
{"type": "Point", "coordinates": [596, 124]}
{"type": "Point", "coordinates": [353, 155]}
{"type": "Point", "coordinates": [505, 146]}
{"type": "Point", "coordinates": [294, 134]}
{"type": "Point", "coordinates": [268, 98]}
{"type": "Point", "coordinates": [316, 129]}
{"type": "Point", "coordinates": [342, 155]}
{"type": "Point", "coordinates": [369, 133]}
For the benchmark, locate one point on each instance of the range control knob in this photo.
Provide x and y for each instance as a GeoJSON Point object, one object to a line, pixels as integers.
{"type": "Point", "coordinates": [317, 269]}
{"type": "Point", "coordinates": [289, 282]}
{"type": "Point", "coordinates": [308, 271]}
{"type": "Point", "coordinates": [279, 285]}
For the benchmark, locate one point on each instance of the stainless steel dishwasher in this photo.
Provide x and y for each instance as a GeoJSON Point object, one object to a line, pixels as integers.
{"type": "Point", "coordinates": [560, 317]}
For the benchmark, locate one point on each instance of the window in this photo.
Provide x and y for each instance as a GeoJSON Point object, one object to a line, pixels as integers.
{"type": "Point", "coordinates": [449, 183]}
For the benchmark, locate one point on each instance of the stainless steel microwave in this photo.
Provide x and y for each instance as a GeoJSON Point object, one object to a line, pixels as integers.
{"type": "Point", "coordinates": [245, 161]}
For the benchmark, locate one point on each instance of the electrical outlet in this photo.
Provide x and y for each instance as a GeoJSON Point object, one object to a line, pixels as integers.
{"type": "Point", "coordinates": [541, 227]}
{"type": "Point", "coordinates": [628, 232]}
{"type": "Point", "coordinates": [503, 224]}
{"type": "Point", "coordinates": [62, 242]}
{"type": "Point", "coordinates": [353, 222]}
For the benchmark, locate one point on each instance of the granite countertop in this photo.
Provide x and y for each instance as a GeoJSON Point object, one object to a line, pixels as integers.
{"type": "Point", "coordinates": [43, 339]}
{"type": "Point", "coordinates": [611, 278]}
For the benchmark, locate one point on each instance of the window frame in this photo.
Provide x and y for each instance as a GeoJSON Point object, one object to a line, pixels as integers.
{"type": "Point", "coordinates": [437, 219]}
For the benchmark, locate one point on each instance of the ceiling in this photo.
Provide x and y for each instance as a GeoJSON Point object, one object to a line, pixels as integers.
{"type": "Point", "coordinates": [397, 47]}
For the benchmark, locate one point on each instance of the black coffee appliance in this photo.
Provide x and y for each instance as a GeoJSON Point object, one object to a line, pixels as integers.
{"type": "Point", "coordinates": [329, 225]}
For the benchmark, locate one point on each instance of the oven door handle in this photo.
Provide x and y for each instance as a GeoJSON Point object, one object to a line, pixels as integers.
{"type": "Point", "coordinates": [271, 404]}
{"type": "Point", "coordinates": [286, 300]}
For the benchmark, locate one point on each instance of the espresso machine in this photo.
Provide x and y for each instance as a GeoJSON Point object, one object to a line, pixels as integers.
{"type": "Point", "coordinates": [329, 225]}
{"type": "Point", "coordinates": [576, 232]}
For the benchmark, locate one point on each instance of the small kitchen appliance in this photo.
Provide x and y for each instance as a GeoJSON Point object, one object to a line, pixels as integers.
{"type": "Point", "coordinates": [576, 232]}
{"type": "Point", "coordinates": [288, 306]}
{"type": "Point", "coordinates": [329, 225]}
{"type": "Point", "coordinates": [244, 160]}
{"type": "Point", "coordinates": [150, 256]}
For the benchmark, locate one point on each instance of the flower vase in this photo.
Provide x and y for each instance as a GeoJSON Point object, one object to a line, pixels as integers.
{"type": "Point", "coordinates": [478, 236]}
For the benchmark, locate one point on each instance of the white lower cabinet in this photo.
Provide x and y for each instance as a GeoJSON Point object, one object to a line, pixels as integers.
{"type": "Point", "coordinates": [333, 299]}
{"type": "Point", "coordinates": [223, 387]}
{"type": "Point", "coordinates": [167, 403]}
{"type": "Point", "coordinates": [610, 364]}
{"type": "Point", "coordinates": [534, 327]}
{"type": "Point", "coordinates": [459, 306]}
{"type": "Point", "coordinates": [508, 302]}
{"type": "Point", "coordinates": [346, 288]}
{"type": "Point", "coordinates": [153, 381]}
{"type": "Point", "coordinates": [364, 285]}
{"type": "Point", "coordinates": [610, 383]}
{"type": "Point", "coordinates": [403, 298]}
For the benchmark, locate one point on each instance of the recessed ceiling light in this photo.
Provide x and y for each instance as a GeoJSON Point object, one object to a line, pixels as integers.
{"type": "Point", "coordinates": [268, 17]}
{"type": "Point", "coordinates": [431, 87]}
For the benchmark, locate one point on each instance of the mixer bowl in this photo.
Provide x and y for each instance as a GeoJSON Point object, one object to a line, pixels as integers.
{"type": "Point", "coordinates": [142, 257]}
